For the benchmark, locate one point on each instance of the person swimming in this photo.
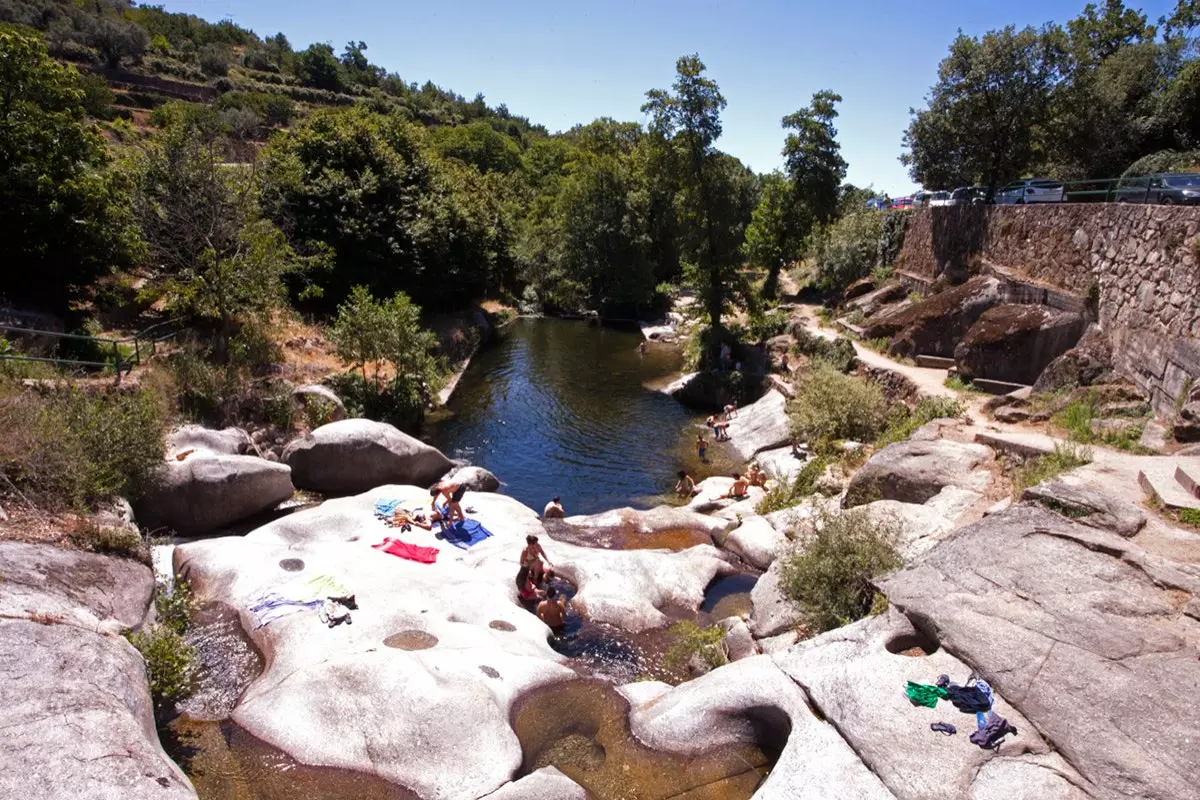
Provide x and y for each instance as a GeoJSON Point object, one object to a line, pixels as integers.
{"type": "Point", "coordinates": [553, 611]}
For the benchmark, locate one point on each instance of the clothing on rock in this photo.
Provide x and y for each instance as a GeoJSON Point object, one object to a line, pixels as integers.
{"type": "Point", "coordinates": [990, 736]}
{"type": "Point", "coordinates": [406, 550]}
{"type": "Point", "coordinates": [943, 727]}
{"type": "Point", "coordinates": [922, 694]}
{"type": "Point", "coordinates": [465, 533]}
{"type": "Point", "coordinates": [296, 595]}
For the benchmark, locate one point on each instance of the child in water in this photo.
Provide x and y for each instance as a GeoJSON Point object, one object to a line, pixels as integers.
{"type": "Point", "coordinates": [702, 448]}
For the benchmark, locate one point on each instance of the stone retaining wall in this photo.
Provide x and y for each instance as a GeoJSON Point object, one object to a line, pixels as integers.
{"type": "Point", "coordinates": [1137, 265]}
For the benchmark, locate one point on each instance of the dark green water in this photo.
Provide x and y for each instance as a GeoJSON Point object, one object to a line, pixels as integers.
{"type": "Point", "coordinates": [563, 408]}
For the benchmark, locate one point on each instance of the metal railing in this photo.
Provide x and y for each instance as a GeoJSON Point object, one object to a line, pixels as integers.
{"type": "Point", "coordinates": [121, 362]}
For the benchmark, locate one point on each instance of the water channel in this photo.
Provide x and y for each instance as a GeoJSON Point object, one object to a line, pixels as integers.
{"type": "Point", "coordinates": [562, 408]}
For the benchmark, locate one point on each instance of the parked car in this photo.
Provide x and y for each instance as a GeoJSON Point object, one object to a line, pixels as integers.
{"type": "Point", "coordinates": [879, 204]}
{"type": "Point", "coordinates": [902, 202]}
{"type": "Point", "coordinates": [939, 199]}
{"type": "Point", "coordinates": [970, 196]}
{"type": "Point", "coordinates": [921, 199]}
{"type": "Point", "coordinates": [1164, 188]}
{"type": "Point", "coordinates": [1032, 190]}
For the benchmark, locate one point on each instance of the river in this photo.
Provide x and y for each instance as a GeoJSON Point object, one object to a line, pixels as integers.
{"type": "Point", "coordinates": [563, 408]}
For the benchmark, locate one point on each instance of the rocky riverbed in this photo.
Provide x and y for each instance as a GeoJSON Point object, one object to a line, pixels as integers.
{"type": "Point", "coordinates": [443, 685]}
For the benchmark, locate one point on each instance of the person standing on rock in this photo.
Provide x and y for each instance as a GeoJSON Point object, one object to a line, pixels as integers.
{"type": "Point", "coordinates": [553, 611]}
{"type": "Point", "coordinates": [553, 509]}
{"type": "Point", "coordinates": [453, 492]}
{"type": "Point", "coordinates": [534, 559]}
{"type": "Point", "coordinates": [731, 411]}
{"type": "Point", "coordinates": [686, 486]}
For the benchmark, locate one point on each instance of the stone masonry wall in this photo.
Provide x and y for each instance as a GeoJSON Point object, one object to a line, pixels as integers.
{"type": "Point", "coordinates": [1138, 264]}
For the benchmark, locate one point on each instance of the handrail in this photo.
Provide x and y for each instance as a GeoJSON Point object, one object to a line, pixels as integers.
{"type": "Point", "coordinates": [119, 363]}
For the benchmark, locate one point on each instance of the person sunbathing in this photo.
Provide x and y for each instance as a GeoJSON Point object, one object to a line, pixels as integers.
{"type": "Point", "coordinates": [532, 559]}
{"type": "Point", "coordinates": [402, 518]}
{"type": "Point", "coordinates": [739, 489]}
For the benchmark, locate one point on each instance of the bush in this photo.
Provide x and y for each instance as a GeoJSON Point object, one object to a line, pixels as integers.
{"type": "Point", "coordinates": [1066, 456]}
{"type": "Point", "coordinates": [174, 607]}
{"type": "Point", "coordinates": [847, 250]}
{"type": "Point", "coordinates": [170, 666]}
{"type": "Point", "coordinates": [838, 353]}
{"type": "Point", "coordinates": [904, 422]}
{"type": "Point", "coordinates": [692, 640]}
{"type": "Point", "coordinates": [768, 325]}
{"type": "Point", "coordinates": [830, 406]}
{"type": "Point", "coordinates": [87, 534]}
{"type": "Point", "coordinates": [787, 495]}
{"type": "Point", "coordinates": [71, 449]}
{"type": "Point", "coordinates": [829, 579]}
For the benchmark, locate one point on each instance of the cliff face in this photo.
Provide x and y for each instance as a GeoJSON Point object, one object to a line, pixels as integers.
{"type": "Point", "coordinates": [1136, 266]}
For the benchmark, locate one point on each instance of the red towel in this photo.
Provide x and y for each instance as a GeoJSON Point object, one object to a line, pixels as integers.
{"type": "Point", "coordinates": [413, 552]}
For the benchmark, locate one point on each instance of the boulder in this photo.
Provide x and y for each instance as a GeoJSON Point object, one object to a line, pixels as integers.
{"type": "Point", "coordinates": [77, 718]}
{"type": "Point", "coordinates": [1154, 437]}
{"type": "Point", "coordinates": [653, 523]}
{"type": "Point", "coordinates": [1186, 425]}
{"type": "Point", "coordinates": [475, 479]}
{"type": "Point", "coordinates": [1071, 497]}
{"type": "Point", "coordinates": [87, 590]}
{"type": "Point", "coordinates": [739, 643]}
{"type": "Point", "coordinates": [1010, 414]}
{"type": "Point", "coordinates": [858, 289]}
{"type": "Point", "coordinates": [755, 541]}
{"type": "Point", "coordinates": [770, 612]}
{"type": "Point", "coordinates": [204, 493]}
{"type": "Point", "coordinates": [935, 324]}
{"type": "Point", "coordinates": [74, 704]}
{"type": "Point", "coordinates": [355, 455]}
{"type": "Point", "coordinates": [707, 391]}
{"type": "Point", "coordinates": [1088, 362]}
{"type": "Point", "coordinates": [710, 499]}
{"type": "Point", "coordinates": [872, 302]}
{"type": "Point", "coordinates": [921, 526]}
{"type": "Point", "coordinates": [426, 676]}
{"type": "Point", "coordinates": [751, 702]}
{"type": "Point", "coordinates": [228, 442]}
{"type": "Point", "coordinates": [1080, 630]}
{"type": "Point", "coordinates": [856, 676]}
{"type": "Point", "coordinates": [547, 783]}
{"type": "Point", "coordinates": [913, 472]}
{"type": "Point", "coordinates": [780, 464]}
{"type": "Point", "coordinates": [315, 392]}
{"type": "Point", "coordinates": [1014, 343]}
{"type": "Point", "coordinates": [934, 429]}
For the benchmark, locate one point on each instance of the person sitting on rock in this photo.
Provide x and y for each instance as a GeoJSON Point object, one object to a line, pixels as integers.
{"type": "Point", "coordinates": [532, 558]}
{"type": "Point", "coordinates": [553, 509]}
{"type": "Point", "coordinates": [553, 611]}
{"type": "Point", "coordinates": [686, 486]}
{"type": "Point", "coordinates": [527, 592]}
{"type": "Point", "coordinates": [453, 492]}
{"type": "Point", "coordinates": [755, 476]}
{"type": "Point", "coordinates": [739, 488]}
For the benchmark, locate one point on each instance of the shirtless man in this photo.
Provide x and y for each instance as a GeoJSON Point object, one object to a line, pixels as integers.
{"type": "Point", "coordinates": [553, 509]}
{"type": "Point", "coordinates": [701, 447]}
{"type": "Point", "coordinates": [453, 492]}
{"type": "Point", "coordinates": [731, 411]}
{"type": "Point", "coordinates": [739, 488]}
{"type": "Point", "coordinates": [553, 611]}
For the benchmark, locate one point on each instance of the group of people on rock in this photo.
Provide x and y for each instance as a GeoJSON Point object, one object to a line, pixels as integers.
{"type": "Point", "coordinates": [719, 428]}
{"type": "Point", "coordinates": [534, 587]}
{"type": "Point", "coordinates": [754, 476]}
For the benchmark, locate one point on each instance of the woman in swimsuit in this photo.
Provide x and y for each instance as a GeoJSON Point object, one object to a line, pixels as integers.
{"type": "Point", "coordinates": [531, 559]}
{"type": "Point", "coordinates": [526, 591]}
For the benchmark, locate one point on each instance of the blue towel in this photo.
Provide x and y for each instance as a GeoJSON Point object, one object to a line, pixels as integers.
{"type": "Point", "coordinates": [386, 509]}
{"type": "Point", "coordinates": [466, 533]}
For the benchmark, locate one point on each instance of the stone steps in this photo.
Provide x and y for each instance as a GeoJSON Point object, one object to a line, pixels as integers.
{"type": "Point", "coordinates": [1160, 480]}
{"type": "Point", "coordinates": [935, 362]}
{"type": "Point", "coordinates": [996, 387]}
{"type": "Point", "coordinates": [850, 327]}
{"type": "Point", "coordinates": [1026, 445]}
{"type": "Point", "coordinates": [1187, 475]}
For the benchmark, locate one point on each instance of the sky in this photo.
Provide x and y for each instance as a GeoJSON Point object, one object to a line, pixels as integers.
{"type": "Point", "coordinates": [562, 63]}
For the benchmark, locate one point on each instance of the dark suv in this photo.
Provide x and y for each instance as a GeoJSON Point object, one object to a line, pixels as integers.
{"type": "Point", "coordinates": [1164, 188]}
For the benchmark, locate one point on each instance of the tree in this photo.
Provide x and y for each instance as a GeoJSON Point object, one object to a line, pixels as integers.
{"type": "Point", "coordinates": [118, 40]}
{"type": "Point", "coordinates": [993, 94]}
{"type": "Point", "coordinates": [319, 68]}
{"type": "Point", "coordinates": [479, 145]}
{"type": "Point", "coordinates": [690, 116]}
{"type": "Point", "coordinates": [771, 240]}
{"type": "Point", "coordinates": [386, 333]}
{"type": "Point", "coordinates": [214, 257]}
{"type": "Point", "coordinates": [63, 213]}
{"type": "Point", "coordinates": [813, 161]}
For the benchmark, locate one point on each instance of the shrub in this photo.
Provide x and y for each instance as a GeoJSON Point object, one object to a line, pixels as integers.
{"type": "Point", "coordinates": [830, 406]}
{"type": "Point", "coordinates": [787, 495]}
{"type": "Point", "coordinates": [829, 577]}
{"type": "Point", "coordinates": [88, 534]}
{"type": "Point", "coordinates": [692, 640]}
{"type": "Point", "coordinates": [72, 449]}
{"type": "Point", "coordinates": [1066, 456]}
{"type": "Point", "coordinates": [768, 325]}
{"type": "Point", "coordinates": [904, 423]}
{"type": "Point", "coordinates": [170, 665]}
{"type": "Point", "coordinates": [838, 352]}
{"type": "Point", "coordinates": [1189, 516]}
{"type": "Point", "coordinates": [847, 250]}
{"type": "Point", "coordinates": [174, 607]}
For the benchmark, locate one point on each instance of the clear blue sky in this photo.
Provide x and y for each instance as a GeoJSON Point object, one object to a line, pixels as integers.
{"type": "Point", "coordinates": [560, 63]}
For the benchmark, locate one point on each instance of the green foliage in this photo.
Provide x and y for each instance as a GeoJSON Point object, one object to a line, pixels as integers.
{"type": "Point", "coordinates": [787, 495]}
{"type": "Point", "coordinates": [68, 448]}
{"type": "Point", "coordinates": [479, 145]}
{"type": "Point", "coordinates": [1066, 456]}
{"type": "Point", "coordinates": [837, 353]}
{"type": "Point", "coordinates": [88, 534]}
{"type": "Point", "coordinates": [828, 577]}
{"type": "Point", "coordinates": [63, 217]}
{"type": "Point", "coordinates": [765, 326]}
{"type": "Point", "coordinates": [1188, 516]}
{"type": "Point", "coordinates": [174, 607]}
{"type": "Point", "coordinates": [891, 240]}
{"type": "Point", "coordinates": [170, 665]}
{"type": "Point", "coordinates": [814, 164]}
{"type": "Point", "coordinates": [847, 250]}
{"type": "Point", "coordinates": [904, 422]}
{"type": "Point", "coordinates": [958, 383]}
{"type": "Point", "coordinates": [773, 238]}
{"type": "Point", "coordinates": [830, 406]}
{"type": "Point", "coordinates": [690, 639]}
{"type": "Point", "coordinates": [1164, 161]}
